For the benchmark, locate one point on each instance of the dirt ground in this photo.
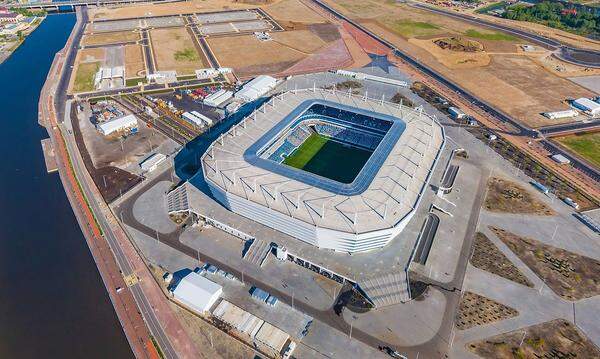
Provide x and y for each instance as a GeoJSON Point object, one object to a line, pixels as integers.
{"type": "Point", "coordinates": [508, 197]}
{"type": "Point", "coordinates": [258, 56]}
{"type": "Point", "coordinates": [564, 36]}
{"type": "Point", "coordinates": [475, 310]}
{"type": "Point", "coordinates": [555, 339]}
{"type": "Point", "coordinates": [187, 7]}
{"type": "Point", "coordinates": [293, 10]}
{"type": "Point", "coordinates": [518, 85]}
{"type": "Point", "coordinates": [134, 61]}
{"type": "Point", "coordinates": [168, 43]}
{"type": "Point", "coordinates": [571, 276]}
{"type": "Point", "coordinates": [488, 257]}
{"type": "Point", "coordinates": [110, 38]}
{"type": "Point", "coordinates": [300, 40]}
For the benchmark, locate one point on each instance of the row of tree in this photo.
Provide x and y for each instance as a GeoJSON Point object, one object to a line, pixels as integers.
{"type": "Point", "coordinates": [556, 15]}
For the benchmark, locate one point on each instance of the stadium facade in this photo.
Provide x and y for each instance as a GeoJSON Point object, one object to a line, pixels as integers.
{"type": "Point", "coordinates": [246, 172]}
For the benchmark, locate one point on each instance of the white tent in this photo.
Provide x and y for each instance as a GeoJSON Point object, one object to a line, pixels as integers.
{"type": "Point", "coordinates": [197, 293]}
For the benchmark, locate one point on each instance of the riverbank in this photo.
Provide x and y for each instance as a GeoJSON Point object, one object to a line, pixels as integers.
{"type": "Point", "coordinates": [11, 40]}
{"type": "Point", "coordinates": [54, 303]}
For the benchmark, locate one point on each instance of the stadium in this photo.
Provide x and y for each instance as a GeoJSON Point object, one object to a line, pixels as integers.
{"type": "Point", "coordinates": [334, 170]}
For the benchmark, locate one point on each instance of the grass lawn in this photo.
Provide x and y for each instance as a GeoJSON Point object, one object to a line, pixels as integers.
{"type": "Point", "coordinates": [586, 145]}
{"type": "Point", "coordinates": [307, 150]}
{"type": "Point", "coordinates": [491, 36]}
{"type": "Point", "coordinates": [329, 159]}
{"type": "Point", "coordinates": [409, 28]}
{"type": "Point", "coordinates": [84, 79]}
{"type": "Point", "coordinates": [186, 54]}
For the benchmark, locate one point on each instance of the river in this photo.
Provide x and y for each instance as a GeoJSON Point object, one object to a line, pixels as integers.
{"type": "Point", "coordinates": [53, 303]}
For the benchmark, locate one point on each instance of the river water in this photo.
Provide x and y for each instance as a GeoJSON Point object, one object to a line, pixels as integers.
{"type": "Point", "coordinates": [53, 303]}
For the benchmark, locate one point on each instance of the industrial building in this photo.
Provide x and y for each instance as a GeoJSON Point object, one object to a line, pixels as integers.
{"type": "Point", "coordinates": [152, 162]}
{"type": "Point", "coordinates": [125, 123]}
{"type": "Point", "coordinates": [588, 106]}
{"type": "Point", "coordinates": [256, 88]}
{"type": "Point", "coordinates": [197, 292]}
{"type": "Point", "coordinates": [355, 217]}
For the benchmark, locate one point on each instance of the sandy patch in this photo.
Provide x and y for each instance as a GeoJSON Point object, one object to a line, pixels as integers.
{"type": "Point", "coordinates": [293, 10]}
{"type": "Point", "coordinates": [301, 40]}
{"type": "Point", "coordinates": [134, 61]}
{"type": "Point", "coordinates": [110, 38]}
{"type": "Point", "coordinates": [247, 55]}
{"type": "Point", "coordinates": [454, 59]}
{"type": "Point", "coordinates": [174, 49]}
{"type": "Point", "coordinates": [186, 7]}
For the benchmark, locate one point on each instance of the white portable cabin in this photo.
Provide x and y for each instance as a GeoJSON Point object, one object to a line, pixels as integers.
{"type": "Point", "coordinates": [152, 162]}
{"type": "Point", "coordinates": [193, 119]}
{"type": "Point", "coordinates": [204, 119]}
{"type": "Point", "coordinates": [561, 114]}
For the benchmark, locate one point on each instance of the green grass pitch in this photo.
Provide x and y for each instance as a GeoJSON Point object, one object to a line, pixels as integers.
{"type": "Point", "coordinates": [307, 150]}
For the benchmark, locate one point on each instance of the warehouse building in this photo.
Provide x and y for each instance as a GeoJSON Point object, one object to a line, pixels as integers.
{"type": "Point", "coordinates": [197, 293]}
{"type": "Point", "coordinates": [588, 106]}
{"type": "Point", "coordinates": [256, 88]}
{"type": "Point", "coordinates": [193, 119]}
{"type": "Point", "coordinates": [125, 123]}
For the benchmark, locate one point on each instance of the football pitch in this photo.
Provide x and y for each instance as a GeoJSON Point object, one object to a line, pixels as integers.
{"type": "Point", "coordinates": [327, 158]}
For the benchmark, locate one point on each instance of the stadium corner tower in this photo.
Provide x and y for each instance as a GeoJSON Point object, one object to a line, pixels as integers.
{"type": "Point", "coordinates": [337, 171]}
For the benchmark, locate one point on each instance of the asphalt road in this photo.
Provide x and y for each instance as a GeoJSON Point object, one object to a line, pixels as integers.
{"type": "Point", "coordinates": [431, 349]}
{"type": "Point", "coordinates": [60, 105]}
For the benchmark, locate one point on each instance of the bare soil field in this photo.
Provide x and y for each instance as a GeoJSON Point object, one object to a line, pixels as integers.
{"type": "Point", "coordinates": [488, 257]}
{"type": "Point", "coordinates": [258, 56]}
{"type": "Point", "coordinates": [301, 40]}
{"type": "Point", "coordinates": [293, 10]}
{"type": "Point", "coordinates": [554, 339]}
{"type": "Point", "coordinates": [475, 310]}
{"type": "Point", "coordinates": [187, 7]}
{"type": "Point", "coordinates": [500, 75]}
{"type": "Point", "coordinates": [561, 68]}
{"type": "Point", "coordinates": [571, 276]}
{"type": "Point", "coordinates": [110, 38]}
{"type": "Point", "coordinates": [134, 61]}
{"type": "Point", "coordinates": [174, 49]}
{"type": "Point", "coordinates": [560, 35]}
{"type": "Point", "coordinates": [508, 197]}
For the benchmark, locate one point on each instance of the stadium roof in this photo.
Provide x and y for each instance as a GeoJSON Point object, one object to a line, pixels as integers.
{"type": "Point", "coordinates": [392, 192]}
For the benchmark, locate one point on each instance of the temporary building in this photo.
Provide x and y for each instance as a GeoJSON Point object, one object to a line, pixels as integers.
{"type": "Point", "coordinates": [256, 88]}
{"type": "Point", "coordinates": [127, 122]}
{"type": "Point", "coordinates": [152, 162]}
{"type": "Point", "coordinates": [197, 292]}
